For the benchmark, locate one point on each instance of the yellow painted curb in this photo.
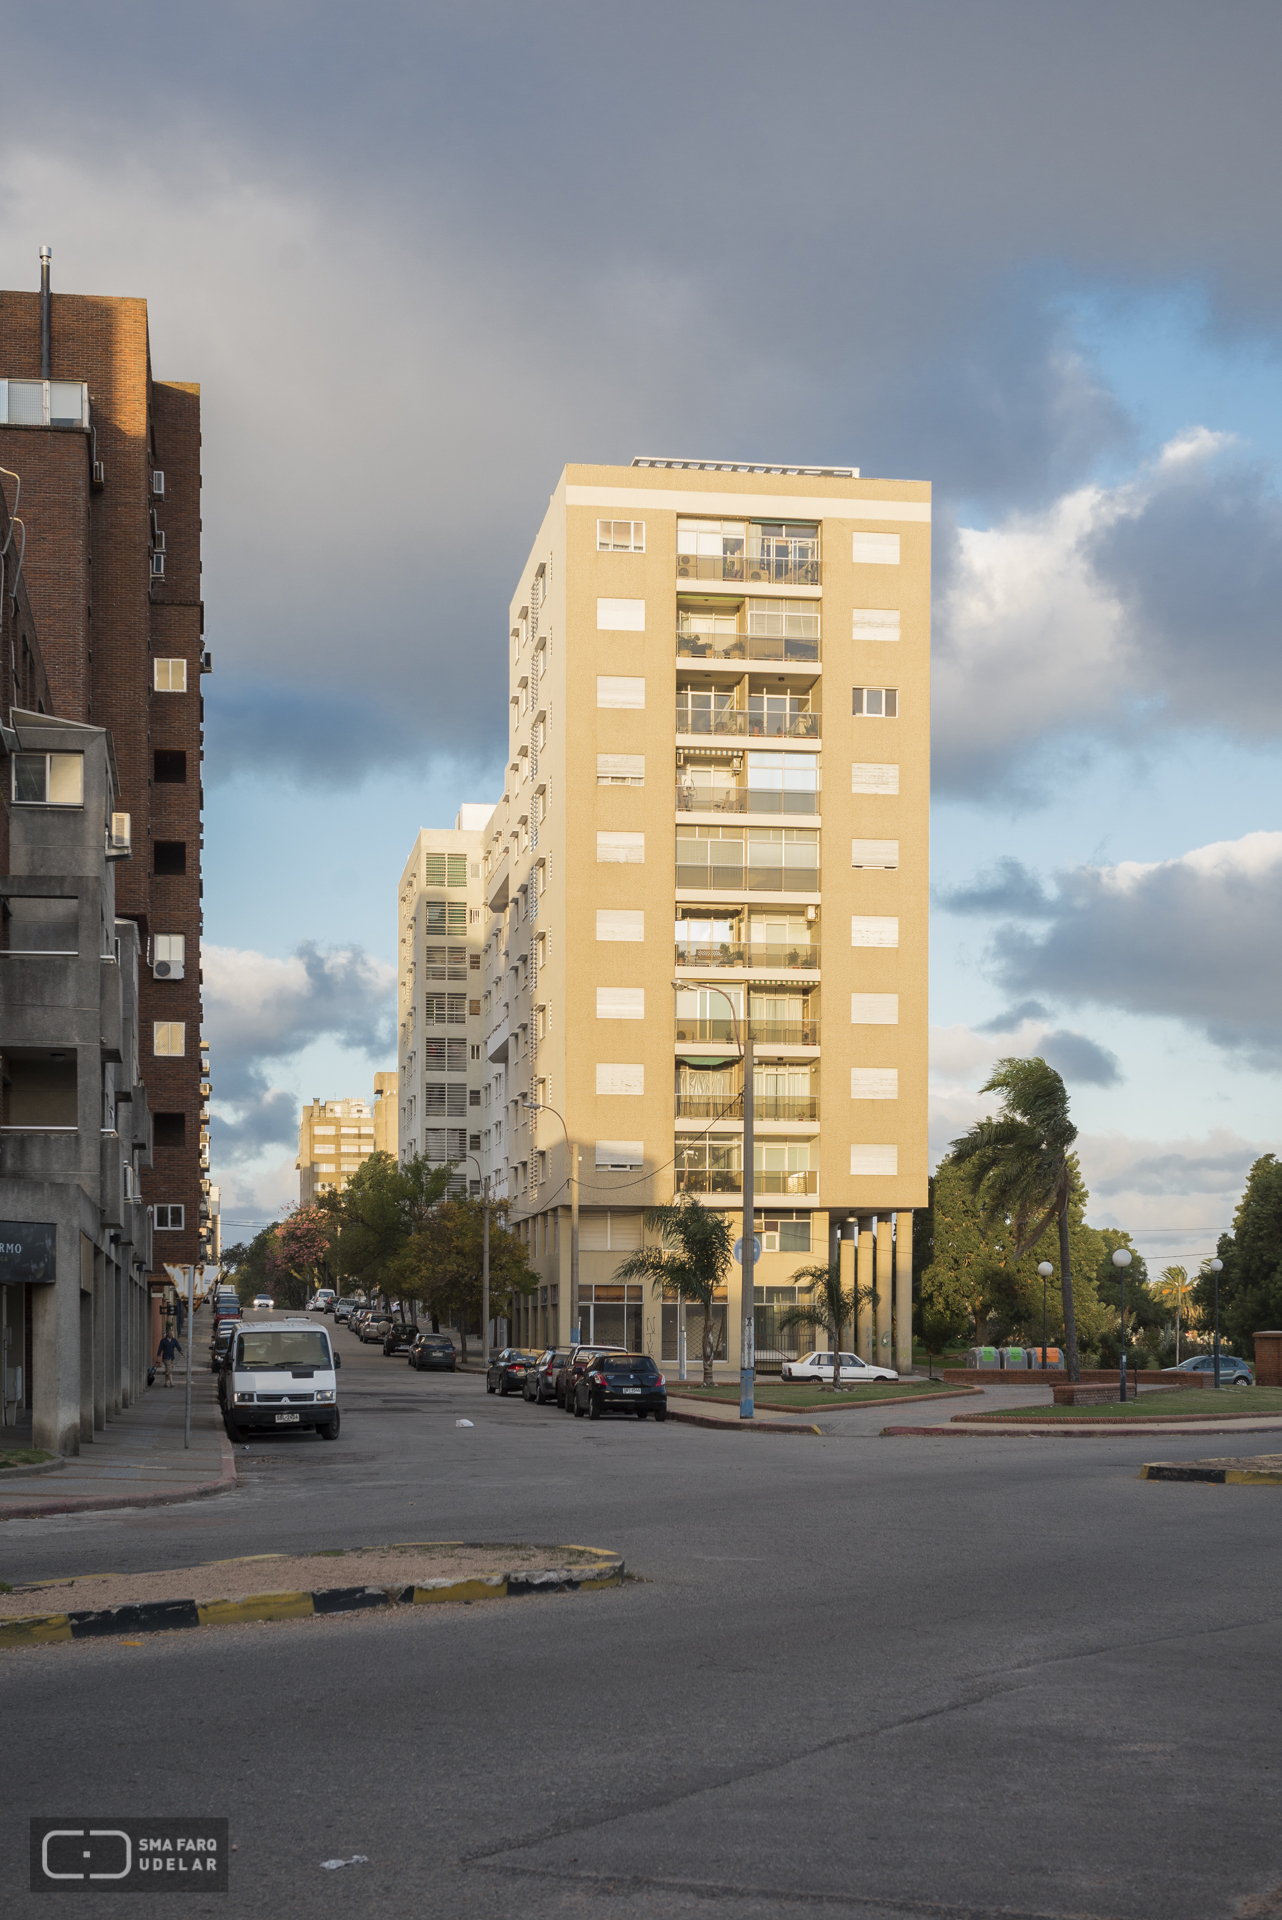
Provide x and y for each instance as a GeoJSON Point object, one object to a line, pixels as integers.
{"type": "Point", "coordinates": [259, 1606]}
{"type": "Point", "coordinates": [35, 1627]}
{"type": "Point", "coordinates": [487, 1586]}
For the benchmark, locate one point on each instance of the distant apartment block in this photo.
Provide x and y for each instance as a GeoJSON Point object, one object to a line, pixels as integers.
{"type": "Point", "coordinates": [335, 1137]}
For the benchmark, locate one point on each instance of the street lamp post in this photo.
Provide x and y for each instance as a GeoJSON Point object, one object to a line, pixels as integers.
{"type": "Point", "coordinates": [1122, 1260]}
{"type": "Point", "coordinates": [748, 1247]}
{"type": "Point", "coordinates": [1217, 1267]}
{"type": "Point", "coordinates": [572, 1156]}
{"type": "Point", "coordinates": [485, 1265]}
{"type": "Point", "coordinates": [1045, 1269]}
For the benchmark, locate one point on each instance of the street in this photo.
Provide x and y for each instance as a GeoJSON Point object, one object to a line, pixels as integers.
{"type": "Point", "coordinates": [875, 1676]}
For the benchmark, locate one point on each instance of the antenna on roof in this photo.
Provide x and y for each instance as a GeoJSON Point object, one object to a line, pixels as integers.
{"type": "Point", "coordinates": [46, 302]}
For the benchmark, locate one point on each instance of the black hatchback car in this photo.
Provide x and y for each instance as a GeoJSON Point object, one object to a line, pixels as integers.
{"type": "Point", "coordinates": [432, 1351]}
{"type": "Point", "coordinates": [621, 1383]}
{"type": "Point", "coordinates": [571, 1371]}
{"type": "Point", "coordinates": [400, 1336]}
{"type": "Point", "coordinates": [506, 1372]}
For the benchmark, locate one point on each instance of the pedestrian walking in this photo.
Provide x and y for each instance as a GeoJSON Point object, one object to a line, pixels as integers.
{"type": "Point", "coordinates": [165, 1353]}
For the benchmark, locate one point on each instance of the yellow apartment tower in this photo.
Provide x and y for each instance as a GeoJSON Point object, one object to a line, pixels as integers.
{"type": "Point", "coordinates": [716, 809]}
{"type": "Point", "coordinates": [335, 1137]}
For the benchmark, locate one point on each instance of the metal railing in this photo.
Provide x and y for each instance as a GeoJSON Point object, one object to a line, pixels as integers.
{"type": "Point", "coordinates": [748, 953]}
{"type": "Point", "coordinates": [780, 563]}
{"type": "Point", "coordinates": [696, 799]}
{"type": "Point", "coordinates": [748, 726]}
{"type": "Point", "coordinates": [705, 876]}
{"type": "Point", "coordinates": [748, 646]}
{"type": "Point", "coordinates": [765, 1106]}
{"type": "Point", "coordinates": [723, 1180]}
{"type": "Point", "coordinates": [776, 1033]}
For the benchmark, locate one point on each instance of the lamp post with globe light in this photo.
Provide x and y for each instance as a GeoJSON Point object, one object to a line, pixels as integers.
{"type": "Point", "coordinates": [1216, 1267]}
{"type": "Point", "coordinates": [1045, 1269]}
{"type": "Point", "coordinates": [1122, 1260]}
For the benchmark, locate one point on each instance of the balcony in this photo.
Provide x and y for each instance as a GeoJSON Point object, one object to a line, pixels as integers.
{"type": "Point", "coordinates": [695, 799]}
{"type": "Point", "coordinates": [730, 1180]}
{"type": "Point", "coordinates": [749, 953]}
{"type": "Point", "coordinates": [748, 646]}
{"type": "Point", "coordinates": [700, 718]}
{"type": "Point", "coordinates": [705, 877]}
{"type": "Point", "coordinates": [760, 560]}
{"type": "Point", "coordinates": [774, 1033]}
{"type": "Point", "coordinates": [765, 1106]}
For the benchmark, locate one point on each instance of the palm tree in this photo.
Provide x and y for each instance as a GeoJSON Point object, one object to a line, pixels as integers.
{"type": "Point", "coordinates": [1020, 1167]}
{"type": "Point", "coordinates": [691, 1260]}
{"type": "Point", "coordinates": [830, 1308]}
{"type": "Point", "coordinates": [1176, 1289]}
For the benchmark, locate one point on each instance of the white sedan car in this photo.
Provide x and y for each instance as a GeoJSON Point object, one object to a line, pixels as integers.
{"type": "Point", "coordinates": [263, 1300]}
{"type": "Point", "coordinates": [818, 1366]}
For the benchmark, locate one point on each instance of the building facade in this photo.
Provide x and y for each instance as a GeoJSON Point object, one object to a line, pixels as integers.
{"type": "Point", "coordinates": [440, 1021]}
{"type": "Point", "coordinates": [108, 461]}
{"type": "Point", "coordinates": [716, 809]}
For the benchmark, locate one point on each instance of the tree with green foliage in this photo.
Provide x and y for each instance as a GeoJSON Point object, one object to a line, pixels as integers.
{"type": "Point", "coordinates": [377, 1214]}
{"type": "Point", "coordinates": [691, 1259]}
{"type": "Point", "coordinates": [246, 1263]}
{"type": "Point", "coordinates": [441, 1263]}
{"type": "Point", "coordinates": [1175, 1291]}
{"type": "Point", "coordinates": [829, 1306]}
{"type": "Point", "coordinates": [1251, 1283]}
{"type": "Point", "coordinates": [1020, 1168]}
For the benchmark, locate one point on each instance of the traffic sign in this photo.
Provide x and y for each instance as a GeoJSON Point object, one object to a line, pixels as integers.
{"type": "Point", "coordinates": [756, 1249]}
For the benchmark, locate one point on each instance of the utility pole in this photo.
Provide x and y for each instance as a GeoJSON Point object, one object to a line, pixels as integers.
{"type": "Point", "coordinates": [747, 1351]}
{"type": "Point", "coordinates": [191, 1314]}
{"type": "Point", "coordinates": [574, 1246]}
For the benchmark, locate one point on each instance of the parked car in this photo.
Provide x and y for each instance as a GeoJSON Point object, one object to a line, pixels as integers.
{"type": "Point", "coordinates": [432, 1351]}
{"type": "Point", "coordinates": [356, 1319]}
{"type": "Point", "coordinates": [540, 1380]}
{"type": "Point", "coordinates": [322, 1300]}
{"type": "Point", "coordinates": [567, 1375]}
{"type": "Point", "coordinates": [262, 1300]}
{"type": "Point", "coordinates": [344, 1308]}
{"type": "Point", "coordinates": [506, 1372]}
{"type": "Point", "coordinates": [223, 1334]}
{"type": "Point", "coordinates": [620, 1383]}
{"type": "Point", "coordinates": [400, 1336]}
{"type": "Point", "coordinates": [374, 1326]}
{"type": "Point", "coordinates": [1233, 1372]}
{"type": "Point", "coordinates": [818, 1366]}
{"type": "Point", "coordinates": [280, 1377]}
{"type": "Point", "coordinates": [226, 1307]}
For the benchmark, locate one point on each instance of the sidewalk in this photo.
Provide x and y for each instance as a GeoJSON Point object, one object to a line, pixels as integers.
{"type": "Point", "coordinates": [140, 1460]}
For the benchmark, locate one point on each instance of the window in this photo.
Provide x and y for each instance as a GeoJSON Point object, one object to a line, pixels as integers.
{"type": "Point", "coordinates": [169, 1037]}
{"type": "Point", "coordinates": [875, 703]}
{"type": "Point", "coordinates": [875, 549]}
{"type": "Point", "coordinates": [758, 859]}
{"type": "Point", "coordinates": [446, 1009]}
{"type": "Point", "coordinates": [882, 1162]}
{"type": "Point", "coordinates": [169, 856]}
{"type": "Point", "coordinates": [170, 676]}
{"type": "Point", "coordinates": [614, 1078]}
{"type": "Point", "coordinates": [874, 930]}
{"type": "Point", "coordinates": [49, 779]}
{"type": "Point", "coordinates": [168, 955]}
{"type": "Point", "coordinates": [875, 623]}
{"type": "Point", "coordinates": [168, 766]}
{"type": "Point", "coordinates": [620, 1003]}
{"type": "Point", "coordinates": [615, 690]}
{"type": "Point", "coordinates": [784, 1232]}
{"type": "Point", "coordinates": [874, 777]}
{"type": "Point", "coordinates": [474, 1097]}
{"type": "Point", "coordinates": [44, 403]}
{"type": "Point", "coordinates": [168, 1219]}
{"type": "Point", "coordinates": [442, 918]}
{"type": "Point", "coordinates": [619, 1156]}
{"type": "Point", "coordinates": [874, 1083]}
{"type": "Point", "coordinates": [620, 616]}
{"type": "Point", "coordinates": [456, 870]}
{"type": "Point", "coordinates": [620, 536]}
{"type": "Point", "coordinates": [626, 849]}
{"type": "Point", "coordinates": [874, 1009]}
{"type": "Point", "coordinates": [784, 619]}
{"type": "Point", "coordinates": [621, 924]}
{"type": "Point", "coordinates": [874, 853]}
{"type": "Point", "coordinates": [620, 769]}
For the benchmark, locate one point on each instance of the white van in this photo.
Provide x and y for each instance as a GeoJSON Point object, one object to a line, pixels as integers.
{"type": "Point", "coordinates": [279, 1376]}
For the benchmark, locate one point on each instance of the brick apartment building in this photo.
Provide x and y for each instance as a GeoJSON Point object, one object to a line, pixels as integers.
{"type": "Point", "coordinates": [108, 459]}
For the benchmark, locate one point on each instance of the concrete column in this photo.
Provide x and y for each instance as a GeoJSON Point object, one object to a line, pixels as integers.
{"type": "Point", "coordinates": [55, 1353]}
{"type": "Point", "coordinates": [100, 1297]}
{"type": "Point", "coordinates": [86, 1367]}
{"type": "Point", "coordinates": [903, 1292]}
{"type": "Point", "coordinates": [846, 1257]}
{"type": "Point", "coordinates": [885, 1286]}
{"type": "Point", "coordinates": [864, 1270]}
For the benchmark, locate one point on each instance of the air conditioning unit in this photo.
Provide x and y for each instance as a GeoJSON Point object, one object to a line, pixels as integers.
{"type": "Point", "coordinates": [158, 482]}
{"type": "Point", "coordinates": [168, 956]}
{"type": "Point", "coordinates": [118, 838]}
{"type": "Point", "coordinates": [206, 662]}
{"type": "Point", "coordinates": [99, 479]}
{"type": "Point", "coordinates": [157, 566]}
{"type": "Point", "coordinates": [158, 539]}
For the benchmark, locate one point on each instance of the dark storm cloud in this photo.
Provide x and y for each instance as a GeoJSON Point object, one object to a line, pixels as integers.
{"type": "Point", "coordinates": [1009, 887]}
{"type": "Point", "coordinates": [1080, 1060]}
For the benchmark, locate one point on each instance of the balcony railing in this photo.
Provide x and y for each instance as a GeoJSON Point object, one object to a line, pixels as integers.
{"type": "Point", "coordinates": [749, 953]}
{"type": "Point", "coordinates": [765, 1106]}
{"type": "Point", "coordinates": [722, 1180]}
{"type": "Point", "coordinates": [775, 1033]}
{"type": "Point", "coordinates": [748, 726]}
{"type": "Point", "coordinates": [705, 877]}
{"type": "Point", "coordinates": [780, 563]}
{"type": "Point", "coordinates": [696, 799]}
{"type": "Point", "coordinates": [748, 646]}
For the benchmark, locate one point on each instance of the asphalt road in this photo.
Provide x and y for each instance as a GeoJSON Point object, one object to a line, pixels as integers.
{"type": "Point", "coordinates": [874, 1677]}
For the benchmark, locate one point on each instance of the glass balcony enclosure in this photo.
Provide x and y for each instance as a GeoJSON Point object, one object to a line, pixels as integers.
{"type": "Point", "coordinates": [770, 783]}
{"type": "Point", "coordinates": [778, 716]}
{"type": "Point", "coordinates": [781, 940]}
{"type": "Point", "coordinates": [777, 1017]}
{"type": "Point", "coordinates": [781, 552]}
{"type": "Point", "coordinates": [749, 859]}
{"type": "Point", "coordinates": [716, 1166]}
{"type": "Point", "coordinates": [780, 1091]}
{"type": "Point", "coordinates": [44, 403]}
{"type": "Point", "coordinates": [752, 630]}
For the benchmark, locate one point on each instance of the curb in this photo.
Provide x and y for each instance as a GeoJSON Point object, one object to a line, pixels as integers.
{"type": "Point", "coordinates": [166, 1616]}
{"type": "Point", "coordinates": [106, 1503]}
{"type": "Point", "coordinates": [1211, 1476]}
{"type": "Point", "coordinates": [29, 1473]}
{"type": "Point", "coordinates": [736, 1426]}
{"type": "Point", "coordinates": [838, 1406]}
{"type": "Point", "coordinates": [1117, 1430]}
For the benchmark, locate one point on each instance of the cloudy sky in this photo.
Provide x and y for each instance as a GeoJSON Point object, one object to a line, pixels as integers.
{"type": "Point", "coordinates": [420, 256]}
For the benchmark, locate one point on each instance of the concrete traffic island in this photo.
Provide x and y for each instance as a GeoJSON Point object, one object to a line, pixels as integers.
{"type": "Point", "coordinates": [230, 1592]}
{"type": "Point", "coordinates": [1249, 1470]}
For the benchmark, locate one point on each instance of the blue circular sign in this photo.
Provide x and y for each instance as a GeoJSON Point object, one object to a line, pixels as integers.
{"type": "Point", "coordinates": [756, 1249]}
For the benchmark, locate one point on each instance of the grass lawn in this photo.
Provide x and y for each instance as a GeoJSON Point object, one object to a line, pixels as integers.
{"type": "Point", "coordinates": [25, 1457]}
{"type": "Point", "coordinates": [1201, 1400]}
{"type": "Point", "coordinates": [800, 1394]}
